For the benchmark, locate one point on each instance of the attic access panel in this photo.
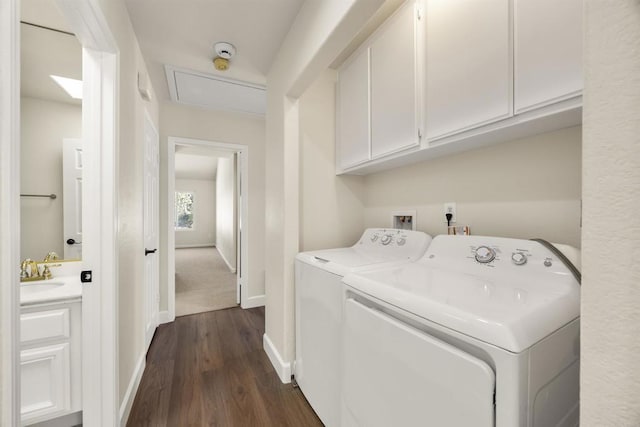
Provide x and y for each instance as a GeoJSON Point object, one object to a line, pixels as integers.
{"type": "Point", "coordinates": [209, 91]}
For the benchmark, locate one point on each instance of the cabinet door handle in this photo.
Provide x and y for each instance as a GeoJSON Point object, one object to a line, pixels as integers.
{"type": "Point", "coordinates": [149, 251]}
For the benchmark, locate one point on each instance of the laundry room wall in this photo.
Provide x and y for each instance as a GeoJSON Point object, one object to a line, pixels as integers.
{"type": "Point", "coordinates": [219, 126]}
{"type": "Point", "coordinates": [331, 207]}
{"type": "Point", "coordinates": [522, 189]}
{"type": "Point", "coordinates": [204, 206]}
{"type": "Point", "coordinates": [610, 322]}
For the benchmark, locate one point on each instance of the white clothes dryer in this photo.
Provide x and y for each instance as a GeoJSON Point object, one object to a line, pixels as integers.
{"type": "Point", "coordinates": [480, 332]}
{"type": "Point", "coordinates": [318, 312]}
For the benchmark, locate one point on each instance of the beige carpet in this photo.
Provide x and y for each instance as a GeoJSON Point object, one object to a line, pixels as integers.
{"type": "Point", "coordinates": [203, 281]}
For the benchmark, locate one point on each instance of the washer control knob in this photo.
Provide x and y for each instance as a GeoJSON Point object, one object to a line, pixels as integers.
{"type": "Point", "coordinates": [386, 239]}
{"type": "Point", "coordinates": [374, 237]}
{"type": "Point", "coordinates": [401, 241]}
{"type": "Point", "coordinates": [548, 262]}
{"type": "Point", "coordinates": [484, 254]}
{"type": "Point", "coordinates": [519, 258]}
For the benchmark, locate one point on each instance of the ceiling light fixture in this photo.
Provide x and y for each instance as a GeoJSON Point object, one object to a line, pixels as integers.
{"type": "Point", "coordinates": [224, 52]}
{"type": "Point", "coordinates": [72, 86]}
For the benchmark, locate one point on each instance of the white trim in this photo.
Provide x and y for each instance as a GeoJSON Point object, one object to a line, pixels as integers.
{"type": "Point", "coordinates": [132, 389]}
{"type": "Point", "coordinates": [163, 317]}
{"type": "Point", "coordinates": [244, 212]}
{"type": "Point", "coordinates": [255, 301]}
{"type": "Point", "coordinates": [226, 261]}
{"type": "Point", "coordinates": [100, 222]}
{"type": "Point", "coordinates": [199, 245]}
{"type": "Point", "coordinates": [10, 212]}
{"type": "Point", "coordinates": [283, 369]}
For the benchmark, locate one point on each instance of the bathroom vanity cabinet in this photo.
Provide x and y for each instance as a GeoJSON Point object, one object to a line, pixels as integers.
{"type": "Point", "coordinates": [50, 360]}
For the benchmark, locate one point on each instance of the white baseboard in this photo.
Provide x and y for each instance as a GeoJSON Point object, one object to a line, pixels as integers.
{"type": "Point", "coordinates": [257, 301]}
{"type": "Point", "coordinates": [233, 269]}
{"type": "Point", "coordinates": [283, 369]}
{"type": "Point", "coordinates": [200, 245]}
{"type": "Point", "coordinates": [164, 317]}
{"type": "Point", "coordinates": [130, 395]}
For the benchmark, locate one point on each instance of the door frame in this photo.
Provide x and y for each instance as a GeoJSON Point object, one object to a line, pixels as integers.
{"type": "Point", "coordinates": [155, 304]}
{"type": "Point", "coordinates": [242, 273]}
{"type": "Point", "coordinates": [99, 122]}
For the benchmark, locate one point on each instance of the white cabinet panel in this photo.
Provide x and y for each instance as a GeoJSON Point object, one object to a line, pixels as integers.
{"type": "Point", "coordinates": [394, 90]}
{"type": "Point", "coordinates": [353, 112]}
{"type": "Point", "coordinates": [469, 64]}
{"type": "Point", "coordinates": [548, 51]}
{"type": "Point", "coordinates": [45, 379]}
{"type": "Point", "coordinates": [39, 325]}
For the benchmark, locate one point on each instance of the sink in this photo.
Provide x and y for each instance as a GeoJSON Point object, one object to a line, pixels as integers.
{"type": "Point", "coordinates": [39, 287]}
{"type": "Point", "coordinates": [56, 289]}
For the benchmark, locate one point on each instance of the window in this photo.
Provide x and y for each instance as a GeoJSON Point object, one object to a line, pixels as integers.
{"type": "Point", "coordinates": [184, 210]}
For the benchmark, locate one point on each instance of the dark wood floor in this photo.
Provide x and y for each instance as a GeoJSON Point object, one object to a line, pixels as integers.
{"type": "Point", "coordinates": [210, 369]}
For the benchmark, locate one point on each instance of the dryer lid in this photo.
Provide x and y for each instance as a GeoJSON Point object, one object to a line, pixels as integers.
{"type": "Point", "coordinates": [509, 306]}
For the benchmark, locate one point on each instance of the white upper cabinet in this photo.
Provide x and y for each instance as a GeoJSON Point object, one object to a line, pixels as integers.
{"type": "Point", "coordinates": [353, 126]}
{"type": "Point", "coordinates": [548, 52]}
{"type": "Point", "coordinates": [469, 60]}
{"type": "Point", "coordinates": [394, 84]}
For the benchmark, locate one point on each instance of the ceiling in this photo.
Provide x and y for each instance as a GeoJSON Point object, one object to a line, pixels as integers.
{"type": "Point", "coordinates": [45, 52]}
{"type": "Point", "coordinates": [193, 162]}
{"type": "Point", "coordinates": [182, 33]}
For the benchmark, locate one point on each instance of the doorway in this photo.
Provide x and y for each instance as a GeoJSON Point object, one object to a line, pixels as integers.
{"type": "Point", "coordinates": [207, 233]}
{"type": "Point", "coordinates": [99, 70]}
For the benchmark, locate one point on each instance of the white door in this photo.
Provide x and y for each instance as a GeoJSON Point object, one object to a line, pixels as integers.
{"type": "Point", "coordinates": [468, 64]}
{"type": "Point", "coordinates": [72, 198]}
{"type": "Point", "coordinates": [394, 89]}
{"type": "Point", "coordinates": [396, 375]}
{"type": "Point", "coordinates": [548, 52]}
{"type": "Point", "coordinates": [151, 219]}
{"type": "Point", "coordinates": [353, 118]}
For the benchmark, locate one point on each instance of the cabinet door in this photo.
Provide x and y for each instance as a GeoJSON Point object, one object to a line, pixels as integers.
{"type": "Point", "coordinates": [45, 379]}
{"type": "Point", "coordinates": [469, 68]}
{"type": "Point", "coordinates": [353, 112]}
{"type": "Point", "coordinates": [548, 52]}
{"type": "Point", "coordinates": [394, 93]}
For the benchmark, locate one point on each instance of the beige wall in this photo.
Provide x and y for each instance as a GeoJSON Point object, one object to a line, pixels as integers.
{"type": "Point", "coordinates": [522, 189]}
{"type": "Point", "coordinates": [331, 207]}
{"type": "Point", "coordinates": [610, 377]}
{"type": "Point", "coordinates": [321, 30]}
{"type": "Point", "coordinates": [191, 122]}
{"type": "Point", "coordinates": [226, 212]}
{"type": "Point", "coordinates": [44, 126]}
{"type": "Point", "coordinates": [204, 206]}
{"type": "Point", "coordinates": [130, 119]}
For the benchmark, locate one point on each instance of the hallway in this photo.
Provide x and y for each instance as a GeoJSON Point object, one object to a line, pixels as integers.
{"type": "Point", "coordinates": [203, 281]}
{"type": "Point", "coordinates": [210, 370]}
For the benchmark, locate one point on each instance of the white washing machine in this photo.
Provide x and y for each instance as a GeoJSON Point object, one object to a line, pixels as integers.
{"type": "Point", "coordinates": [480, 332]}
{"type": "Point", "coordinates": [319, 299]}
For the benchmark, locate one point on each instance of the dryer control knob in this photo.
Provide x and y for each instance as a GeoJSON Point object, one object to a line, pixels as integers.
{"type": "Point", "coordinates": [484, 254]}
{"type": "Point", "coordinates": [374, 237]}
{"type": "Point", "coordinates": [401, 241]}
{"type": "Point", "coordinates": [386, 239]}
{"type": "Point", "coordinates": [519, 258]}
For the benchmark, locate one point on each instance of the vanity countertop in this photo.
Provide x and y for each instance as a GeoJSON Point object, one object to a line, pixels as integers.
{"type": "Point", "coordinates": [56, 289]}
{"type": "Point", "coordinates": [63, 286]}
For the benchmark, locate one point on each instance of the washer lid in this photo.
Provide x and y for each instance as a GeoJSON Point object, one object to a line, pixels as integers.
{"type": "Point", "coordinates": [343, 261]}
{"type": "Point", "coordinates": [511, 314]}
{"type": "Point", "coordinates": [376, 247]}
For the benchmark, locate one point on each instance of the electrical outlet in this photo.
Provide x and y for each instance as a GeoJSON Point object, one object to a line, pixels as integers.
{"type": "Point", "coordinates": [450, 207]}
